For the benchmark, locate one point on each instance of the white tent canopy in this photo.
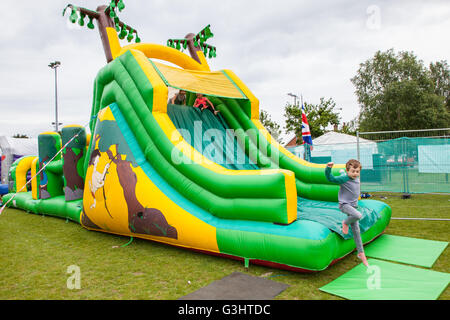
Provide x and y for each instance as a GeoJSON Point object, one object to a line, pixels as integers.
{"type": "Point", "coordinates": [340, 148]}
{"type": "Point", "coordinates": [14, 147]}
{"type": "Point", "coordinates": [333, 137]}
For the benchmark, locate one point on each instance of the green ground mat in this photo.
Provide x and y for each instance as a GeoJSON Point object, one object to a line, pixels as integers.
{"type": "Point", "coordinates": [414, 251]}
{"type": "Point", "coordinates": [388, 281]}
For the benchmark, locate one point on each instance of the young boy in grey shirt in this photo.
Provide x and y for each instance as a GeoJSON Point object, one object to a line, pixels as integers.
{"type": "Point", "coordinates": [348, 201]}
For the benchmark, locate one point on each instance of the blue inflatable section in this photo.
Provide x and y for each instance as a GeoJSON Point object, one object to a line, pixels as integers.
{"type": "Point", "coordinates": [3, 189]}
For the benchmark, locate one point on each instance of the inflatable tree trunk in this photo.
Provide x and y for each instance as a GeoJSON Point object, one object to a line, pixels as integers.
{"type": "Point", "coordinates": [73, 161]}
{"type": "Point", "coordinates": [51, 180]}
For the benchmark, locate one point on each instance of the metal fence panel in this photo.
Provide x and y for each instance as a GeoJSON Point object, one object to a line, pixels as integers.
{"type": "Point", "coordinates": [408, 161]}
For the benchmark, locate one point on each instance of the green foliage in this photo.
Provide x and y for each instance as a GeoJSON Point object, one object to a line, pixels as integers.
{"type": "Point", "coordinates": [81, 21]}
{"type": "Point", "coordinates": [440, 76]}
{"type": "Point", "coordinates": [125, 31]}
{"type": "Point", "coordinates": [199, 41]}
{"type": "Point", "coordinates": [320, 116]}
{"type": "Point", "coordinates": [73, 15]}
{"type": "Point", "coordinates": [270, 125]}
{"type": "Point", "coordinates": [349, 128]}
{"type": "Point", "coordinates": [397, 92]}
{"type": "Point", "coordinates": [90, 24]}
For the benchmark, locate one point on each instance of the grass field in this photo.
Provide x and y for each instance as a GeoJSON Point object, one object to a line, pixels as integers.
{"type": "Point", "coordinates": [36, 251]}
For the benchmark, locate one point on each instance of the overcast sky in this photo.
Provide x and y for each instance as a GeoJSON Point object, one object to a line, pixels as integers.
{"type": "Point", "coordinates": [309, 48]}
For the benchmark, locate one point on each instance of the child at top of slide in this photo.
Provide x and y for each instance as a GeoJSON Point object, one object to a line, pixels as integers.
{"type": "Point", "coordinates": [348, 201]}
{"type": "Point", "coordinates": [203, 102]}
{"type": "Point", "coordinates": [179, 98]}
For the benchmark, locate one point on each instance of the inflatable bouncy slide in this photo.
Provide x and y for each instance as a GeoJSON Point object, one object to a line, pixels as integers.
{"type": "Point", "coordinates": [217, 184]}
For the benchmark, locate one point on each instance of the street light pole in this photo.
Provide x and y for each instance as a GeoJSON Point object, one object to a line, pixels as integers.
{"type": "Point", "coordinates": [55, 65]}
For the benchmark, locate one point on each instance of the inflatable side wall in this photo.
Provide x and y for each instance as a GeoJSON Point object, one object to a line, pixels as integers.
{"type": "Point", "coordinates": [57, 183]}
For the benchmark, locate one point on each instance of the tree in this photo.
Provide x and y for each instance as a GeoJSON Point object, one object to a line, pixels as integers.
{"type": "Point", "coordinates": [270, 125]}
{"type": "Point", "coordinates": [195, 43]}
{"type": "Point", "coordinates": [106, 16]}
{"type": "Point", "coordinates": [320, 116]}
{"type": "Point", "coordinates": [440, 76]}
{"type": "Point", "coordinates": [349, 127]}
{"type": "Point", "coordinates": [397, 92]}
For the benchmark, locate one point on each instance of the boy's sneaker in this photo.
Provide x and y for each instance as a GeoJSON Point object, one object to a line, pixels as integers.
{"type": "Point", "coordinates": [344, 228]}
{"type": "Point", "coordinates": [363, 258]}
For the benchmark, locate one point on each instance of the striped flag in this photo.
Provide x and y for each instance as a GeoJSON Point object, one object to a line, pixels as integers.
{"type": "Point", "coordinates": [306, 134]}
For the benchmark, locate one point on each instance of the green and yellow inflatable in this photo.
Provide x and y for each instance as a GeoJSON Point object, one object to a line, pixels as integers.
{"type": "Point", "coordinates": [144, 176]}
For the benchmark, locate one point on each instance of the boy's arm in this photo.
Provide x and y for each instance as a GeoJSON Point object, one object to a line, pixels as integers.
{"type": "Point", "coordinates": [210, 103]}
{"type": "Point", "coordinates": [339, 180]}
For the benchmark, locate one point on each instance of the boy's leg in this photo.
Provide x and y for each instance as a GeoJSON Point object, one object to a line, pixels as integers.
{"type": "Point", "coordinates": [359, 245]}
{"type": "Point", "coordinates": [357, 236]}
{"type": "Point", "coordinates": [353, 214]}
{"type": "Point", "coordinates": [353, 219]}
